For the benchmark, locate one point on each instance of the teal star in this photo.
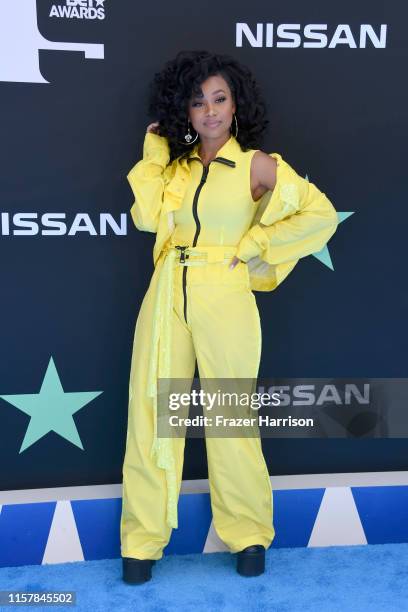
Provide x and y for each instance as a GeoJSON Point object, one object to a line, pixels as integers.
{"type": "Point", "coordinates": [324, 255]}
{"type": "Point", "coordinates": [51, 409]}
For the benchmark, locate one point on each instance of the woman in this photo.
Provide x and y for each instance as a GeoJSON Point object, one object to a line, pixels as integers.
{"type": "Point", "coordinates": [229, 219]}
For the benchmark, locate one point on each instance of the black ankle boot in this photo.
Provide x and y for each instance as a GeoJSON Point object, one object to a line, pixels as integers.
{"type": "Point", "coordinates": [137, 571]}
{"type": "Point", "coordinates": [251, 560]}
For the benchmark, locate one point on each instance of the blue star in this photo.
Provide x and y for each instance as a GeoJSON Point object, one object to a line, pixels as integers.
{"type": "Point", "coordinates": [324, 255]}
{"type": "Point", "coordinates": [51, 409]}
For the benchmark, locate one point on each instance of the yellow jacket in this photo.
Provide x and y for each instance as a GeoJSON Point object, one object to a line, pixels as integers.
{"type": "Point", "coordinates": [296, 219]}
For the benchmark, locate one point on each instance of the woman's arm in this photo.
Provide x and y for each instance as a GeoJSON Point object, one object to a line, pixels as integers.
{"type": "Point", "coordinates": [147, 179]}
{"type": "Point", "coordinates": [306, 226]}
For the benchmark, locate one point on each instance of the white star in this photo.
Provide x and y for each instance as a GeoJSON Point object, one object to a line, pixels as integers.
{"type": "Point", "coordinates": [99, 2]}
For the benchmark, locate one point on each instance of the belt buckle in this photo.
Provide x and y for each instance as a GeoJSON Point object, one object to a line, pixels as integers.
{"type": "Point", "coordinates": [183, 255]}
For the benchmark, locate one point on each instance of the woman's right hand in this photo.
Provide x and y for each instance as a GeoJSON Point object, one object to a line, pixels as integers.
{"type": "Point", "coordinates": [153, 128]}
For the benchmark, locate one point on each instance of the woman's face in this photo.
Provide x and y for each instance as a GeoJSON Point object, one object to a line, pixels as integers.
{"type": "Point", "coordinates": [211, 114]}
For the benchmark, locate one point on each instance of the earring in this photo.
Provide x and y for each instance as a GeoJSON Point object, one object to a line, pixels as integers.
{"type": "Point", "coordinates": [188, 137]}
{"type": "Point", "coordinates": [236, 126]}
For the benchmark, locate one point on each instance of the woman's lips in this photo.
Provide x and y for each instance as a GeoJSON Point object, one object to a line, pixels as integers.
{"type": "Point", "coordinates": [212, 125]}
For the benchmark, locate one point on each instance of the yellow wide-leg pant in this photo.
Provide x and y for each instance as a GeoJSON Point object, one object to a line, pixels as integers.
{"type": "Point", "coordinates": [223, 333]}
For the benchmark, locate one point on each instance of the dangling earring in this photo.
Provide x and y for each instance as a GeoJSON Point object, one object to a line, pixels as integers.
{"type": "Point", "coordinates": [236, 126]}
{"type": "Point", "coordinates": [188, 137]}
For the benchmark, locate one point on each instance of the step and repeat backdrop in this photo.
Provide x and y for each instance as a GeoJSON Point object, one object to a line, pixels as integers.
{"type": "Point", "coordinates": [74, 78]}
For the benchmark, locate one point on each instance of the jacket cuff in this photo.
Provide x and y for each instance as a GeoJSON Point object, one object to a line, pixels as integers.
{"type": "Point", "coordinates": [156, 149]}
{"type": "Point", "coordinates": [252, 244]}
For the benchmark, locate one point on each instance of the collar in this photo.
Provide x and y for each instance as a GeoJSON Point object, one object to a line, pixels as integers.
{"type": "Point", "coordinates": [174, 191]}
{"type": "Point", "coordinates": [227, 154]}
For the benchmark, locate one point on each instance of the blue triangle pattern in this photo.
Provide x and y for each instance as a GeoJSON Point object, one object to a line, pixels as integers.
{"type": "Point", "coordinates": [97, 523]}
{"type": "Point", "coordinates": [24, 530]}
{"type": "Point", "coordinates": [383, 513]}
{"type": "Point", "coordinates": [294, 515]}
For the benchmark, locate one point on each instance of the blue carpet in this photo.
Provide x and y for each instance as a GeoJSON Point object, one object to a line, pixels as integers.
{"type": "Point", "coordinates": [338, 578]}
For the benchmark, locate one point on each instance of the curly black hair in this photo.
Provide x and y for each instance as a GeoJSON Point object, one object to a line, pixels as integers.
{"type": "Point", "coordinates": [180, 79]}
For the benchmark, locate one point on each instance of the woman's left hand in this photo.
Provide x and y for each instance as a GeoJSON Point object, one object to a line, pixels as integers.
{"type": "Point", "coordinates": [234, 262]}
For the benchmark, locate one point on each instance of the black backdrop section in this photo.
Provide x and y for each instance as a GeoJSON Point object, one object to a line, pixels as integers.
{"type": "Point", "coordinates": [337, 114]}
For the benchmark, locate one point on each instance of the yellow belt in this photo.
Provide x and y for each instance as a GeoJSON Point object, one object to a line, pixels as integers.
{"type": "Point", "coordinates": [159, 366]}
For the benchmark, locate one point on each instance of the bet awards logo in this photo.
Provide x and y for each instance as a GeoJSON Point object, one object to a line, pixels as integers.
{"type": "Point", "coordinates": [79, 9]}
{"type": "Point", "coordinates": [21, 40]}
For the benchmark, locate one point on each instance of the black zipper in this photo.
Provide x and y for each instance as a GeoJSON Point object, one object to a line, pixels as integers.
{"type": "Point", "coordinates": [183, 256]}
{"type": "Point", "coordinates": [195, 204]}
{"type": "Point", "coordinates": [198, 228]}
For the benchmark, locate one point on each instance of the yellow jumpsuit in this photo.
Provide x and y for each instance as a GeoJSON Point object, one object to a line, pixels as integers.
{"type": "Point", "coordinates": [197, 308]}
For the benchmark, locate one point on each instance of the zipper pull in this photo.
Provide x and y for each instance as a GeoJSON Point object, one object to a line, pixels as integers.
{"type": "Point", "coordinates": [183, 255]}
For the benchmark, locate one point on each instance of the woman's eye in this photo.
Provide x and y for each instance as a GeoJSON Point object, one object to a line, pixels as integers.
{"type": "Point", "coordinates": [218, 99]}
